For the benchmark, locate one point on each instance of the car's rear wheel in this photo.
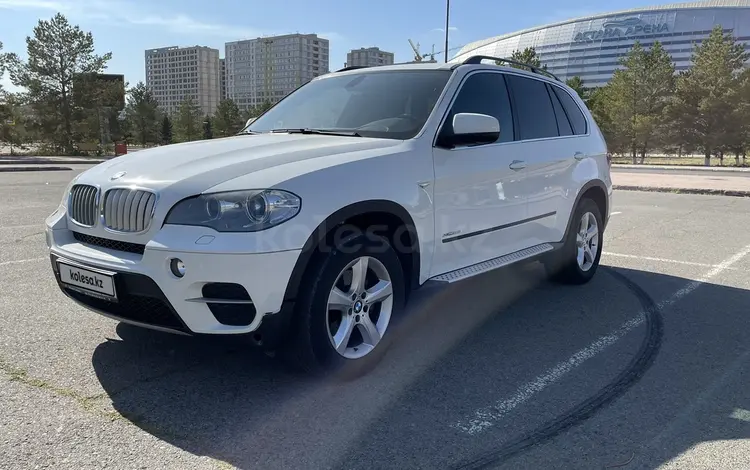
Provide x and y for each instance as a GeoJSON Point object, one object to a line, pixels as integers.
{"type": "Point", "coordinates": [344, 314]}
{"type": "Point", "coordinates": [577, 260]}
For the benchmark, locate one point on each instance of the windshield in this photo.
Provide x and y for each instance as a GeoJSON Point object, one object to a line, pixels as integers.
{"type": "Point", "coordinates": [391, 105]}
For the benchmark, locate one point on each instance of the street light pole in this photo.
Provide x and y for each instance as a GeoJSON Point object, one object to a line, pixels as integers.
{"type": "Point", "coordinates": [447, 22]}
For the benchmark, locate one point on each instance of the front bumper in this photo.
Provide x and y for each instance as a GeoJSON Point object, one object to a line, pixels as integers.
{"type": "Point", "coordinates": [150, 295]}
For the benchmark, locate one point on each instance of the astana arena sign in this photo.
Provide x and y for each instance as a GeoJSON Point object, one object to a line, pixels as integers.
{"type": "Point", "coordinates": [628, 27]}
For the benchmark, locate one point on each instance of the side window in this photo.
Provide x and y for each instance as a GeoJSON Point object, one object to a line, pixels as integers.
{"type": "Point", "coordinates": [563, 125]}
{"type": "Point", "coordinates": [533, 108]}
{"type": "Point", "coordinates": [574, 112]}
{"type": "Point", "coordinates": [484, 93]}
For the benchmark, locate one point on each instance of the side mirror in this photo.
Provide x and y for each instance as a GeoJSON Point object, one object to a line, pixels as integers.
{"type": "Point", "coordinates": [250, 121]}
{"type": "Point", "coordinates": [474, 129]}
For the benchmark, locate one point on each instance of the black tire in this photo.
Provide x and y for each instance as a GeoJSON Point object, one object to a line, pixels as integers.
{"type": "Point", "coordinates": [310, 348]}
{"type": "Point", "coordinates": [561, 265]}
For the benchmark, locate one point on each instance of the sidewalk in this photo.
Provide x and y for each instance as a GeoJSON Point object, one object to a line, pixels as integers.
{"type": "Point", "coordinates": [647, 168]}
{"type": "Point", "coordinates": [709, 183]}
{"type": "Point", "coordinates": [34, 160]}
{"type": "Point", "coordinates": [18, 168]}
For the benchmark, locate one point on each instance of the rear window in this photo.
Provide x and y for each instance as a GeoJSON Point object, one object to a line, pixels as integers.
{"type": "Point", "coordinates": [563, 125]}
{"type": "Point", "coordinates": [533, 108]}
{"type": "Point", "coordinates": [575, 116]}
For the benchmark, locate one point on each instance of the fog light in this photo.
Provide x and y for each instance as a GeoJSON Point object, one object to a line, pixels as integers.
{"type": "Point", "coordinates": [177, 267]}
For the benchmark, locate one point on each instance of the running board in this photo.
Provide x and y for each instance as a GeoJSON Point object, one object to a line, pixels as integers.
{"type": "Point", "coordinates": [485, 266]}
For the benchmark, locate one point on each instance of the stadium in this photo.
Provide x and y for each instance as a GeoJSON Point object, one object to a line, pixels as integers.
{"type": "Point", "coordinates": [590, 47]}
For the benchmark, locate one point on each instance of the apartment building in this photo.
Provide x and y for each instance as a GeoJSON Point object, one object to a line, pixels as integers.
{"type": "Point", "coordinates": [368, 57]}
{"type": "Point", "coordinates": [270, 68]}
{"type": "Point", "coordinates": [223, 79]}
{"type": "Point", "coordinates": [175, 73]}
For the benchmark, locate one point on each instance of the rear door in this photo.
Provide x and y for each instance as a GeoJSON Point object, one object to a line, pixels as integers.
{"type": "Point", "coordinates": [550, 152]}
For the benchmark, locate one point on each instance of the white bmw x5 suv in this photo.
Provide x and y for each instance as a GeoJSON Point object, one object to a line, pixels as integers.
{"type": "Point", "coordinates": [308, 230]}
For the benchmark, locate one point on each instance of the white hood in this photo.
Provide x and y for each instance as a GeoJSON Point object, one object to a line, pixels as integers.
{"type": "Point", "coordinates": [196, 166]}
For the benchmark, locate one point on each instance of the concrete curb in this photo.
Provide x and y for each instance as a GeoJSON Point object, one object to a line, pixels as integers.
{"type": "Point", "coordinates": [51, 162]}
{"type": "Point", "coordinates": [711, 192]}
{"type": "Point", "coordinates": [13, 169]}
{"type": "Point", "coordinates": [714, 169]}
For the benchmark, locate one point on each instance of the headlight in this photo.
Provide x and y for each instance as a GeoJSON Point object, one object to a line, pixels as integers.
{"type": "Point", "coordinates": [236, 211]}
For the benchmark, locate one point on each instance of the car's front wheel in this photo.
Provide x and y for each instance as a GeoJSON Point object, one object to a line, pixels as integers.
{"type": "Point", "coordinates": [344, 313]}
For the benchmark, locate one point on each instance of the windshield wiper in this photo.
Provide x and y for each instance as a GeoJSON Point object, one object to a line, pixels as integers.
{"type": "Point", "coordinates": [317, 132]}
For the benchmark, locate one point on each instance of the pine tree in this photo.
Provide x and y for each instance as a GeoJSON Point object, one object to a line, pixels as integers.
{"type": "Point", "coordinates": [227, 119]}
{"type": "Point", "coordinates": [577, 85]}
{"type": "Point", "coordinates": [142, 114]}
{"type": "Point", "coordinates": [188, 122]}
{"type": "Point", "coordinates": [57, 53]}
{"type": "Point", "coordinates": [166, 131]}
{"type": "Point", "coordinates": [636, 98]}
{"type": "Point", "coordinates": [527, 56]}
{"type": "Point", "coordinates": [207, 131]}
{"type": "Point", "coordinates": [705, 104]}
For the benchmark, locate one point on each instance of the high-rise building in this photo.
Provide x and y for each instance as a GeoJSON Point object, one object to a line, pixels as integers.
{"type": "Point", "coordinates": [223, 79]}
{"type": "Point", "coordinates": [175, 73]}
{"type": "Point", "coordinates": [267, 69]}
{"type": "Point", "coordinates": [368, 57]}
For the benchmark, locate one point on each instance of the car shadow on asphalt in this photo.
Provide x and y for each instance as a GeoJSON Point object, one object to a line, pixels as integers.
{"type": "Point", "coordinates": [219, 398]}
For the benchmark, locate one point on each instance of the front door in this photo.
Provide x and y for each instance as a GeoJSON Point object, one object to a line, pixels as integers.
{"type": "Point", "coordinates": [480, 196]}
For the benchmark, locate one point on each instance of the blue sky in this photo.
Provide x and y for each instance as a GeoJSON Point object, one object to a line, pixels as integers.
{"type": "Point", "coordinates": [128, 27]}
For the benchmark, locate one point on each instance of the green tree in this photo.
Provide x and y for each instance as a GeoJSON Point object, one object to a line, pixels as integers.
{"type": "Point", "coordinates": [636, 97]}
{"type": "Point", "coordinates": [526, 56]}
{"type": "Point", "coordinates": [600, 104]}
{"type": "Point", "coordinates": [12, 120]}
{"type": "Point", "coordinates": [739, 140]}
{"type": "Point", "coordinates": [227, 119]}
{"type": "Point", "coordinates": [96, 106]}
{"type": "Point", "coordinates": [3, 60]}
{"type": "Point", "coordinates": [57, 53]}
{"type": "Point", "coordinates": [577, 85]}
{"type": "Point", "coordinates": [188, 122]}
{"type": "Point", "coordinates": [142, 115]}
{"type": "Point", "coordinates": [165, 134]}
{"type": "Point", "coordinates": [208, 132]}
{"type": "Point", "coordinates": [705, 100]}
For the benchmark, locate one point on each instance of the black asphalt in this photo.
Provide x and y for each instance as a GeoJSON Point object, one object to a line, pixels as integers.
{"type": "Point", "coordinates": [644, 366]}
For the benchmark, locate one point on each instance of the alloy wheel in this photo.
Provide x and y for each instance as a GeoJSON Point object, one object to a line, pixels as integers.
{"type": "Point", "coordinates": [587, 241]}
{"type": "Point", "coordinates": [359, 307]}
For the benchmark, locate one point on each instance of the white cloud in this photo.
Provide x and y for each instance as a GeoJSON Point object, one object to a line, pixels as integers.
{"type": "Point", "coordinates": [451, 29]}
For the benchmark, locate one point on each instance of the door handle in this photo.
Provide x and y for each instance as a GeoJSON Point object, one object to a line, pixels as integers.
{"type": "Point", "coordinates": [517, 165]}
{"type": "Point", "coordinates": [579, 156]}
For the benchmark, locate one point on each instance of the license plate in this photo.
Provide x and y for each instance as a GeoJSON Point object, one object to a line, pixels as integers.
{"type": "Point", "coordinates": [95, 282]}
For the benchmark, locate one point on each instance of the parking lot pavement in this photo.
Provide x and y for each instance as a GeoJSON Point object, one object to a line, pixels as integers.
{"type": "Point", "coordinates": [643, 366]}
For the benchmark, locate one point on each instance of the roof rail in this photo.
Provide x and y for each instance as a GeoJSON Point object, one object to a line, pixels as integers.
{"type": "Point", "coordinates": [477, 59]}
{"type": "Point", "coordinates": [352, 67]}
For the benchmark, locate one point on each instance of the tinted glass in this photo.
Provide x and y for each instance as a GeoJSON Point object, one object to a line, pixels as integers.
{"type": "Point", "coordinates": [563, 125]}
{"type": "Point", "coordinates": [574, 112]}
{"type": "Point", "coordinates": [484, 93]}
{"type": "Point", "coordinates": [533, 108]}
{"type": "Point", "coordinates": [391, 105]}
